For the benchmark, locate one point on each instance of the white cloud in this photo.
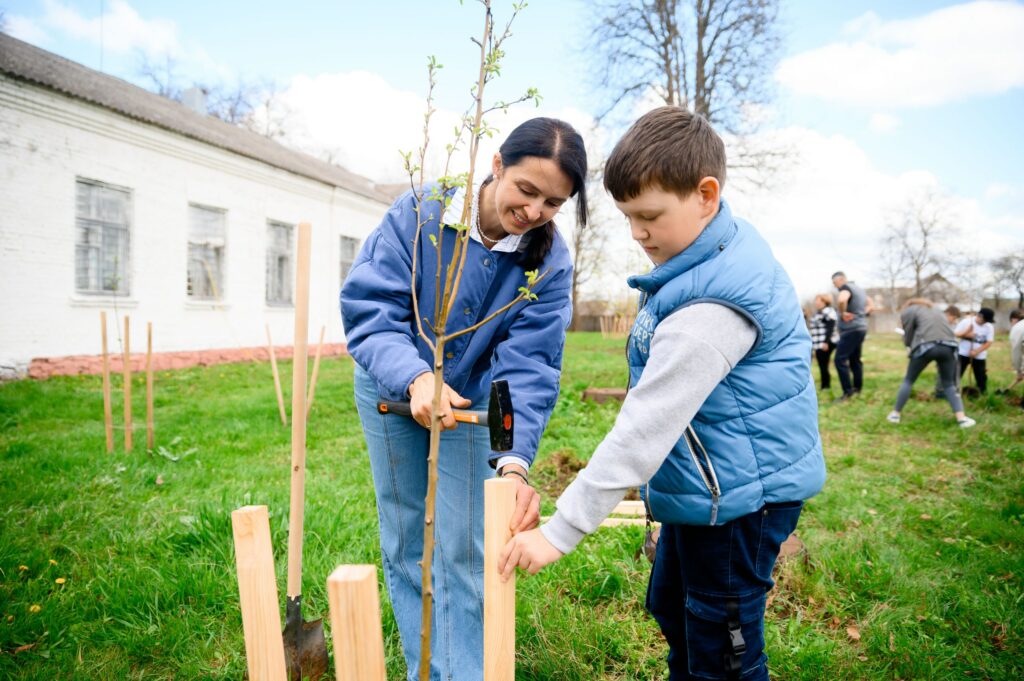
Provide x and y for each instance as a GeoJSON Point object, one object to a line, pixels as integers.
{"type": "Point", "coordinates": [883, 122]}
{"type": "Point", "coordinates": [120, 30]}
{"type": "Point", "coordinates": [951, 54]}
{"type": "Point", "coordinates": [25, 29]}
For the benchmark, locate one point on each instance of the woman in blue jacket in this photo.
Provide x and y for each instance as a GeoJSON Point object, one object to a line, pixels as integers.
{"type": "Point", "coordinates": [540, 166]}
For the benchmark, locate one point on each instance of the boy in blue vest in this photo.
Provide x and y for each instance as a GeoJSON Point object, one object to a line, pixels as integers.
{"type": "Point", "coordinates": [720, 426]}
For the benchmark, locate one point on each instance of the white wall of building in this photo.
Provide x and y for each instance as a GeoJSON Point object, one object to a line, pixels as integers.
{"type": "Point", "coordinates": [48, 140]}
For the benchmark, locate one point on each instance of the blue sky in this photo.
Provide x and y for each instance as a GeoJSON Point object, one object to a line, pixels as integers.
{"type": "Point", "coordinates": [879, 97]}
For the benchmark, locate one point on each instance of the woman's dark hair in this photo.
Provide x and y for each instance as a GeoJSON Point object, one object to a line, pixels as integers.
{"type": "Point", "coordinates": [556, 140]}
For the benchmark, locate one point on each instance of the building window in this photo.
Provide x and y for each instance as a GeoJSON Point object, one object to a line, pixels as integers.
{"type": "Point", "coordinates": [349, 248]}
{"type": "Point", "coordinates": [206, 243]}
{"type": "Point", "coordinates": [102, 226]}
{"type": "Point", "coordinates": [279, 263]}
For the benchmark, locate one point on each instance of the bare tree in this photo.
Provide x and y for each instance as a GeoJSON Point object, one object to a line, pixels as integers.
{"type": "Point", "coordinates": [1008, 274]}
{"type": "Point", "coordinates": [714, 57]}
{"type": "Point", "coordinates": [892, 265]}
{"type": "Point", "coordinates": [589, 242]}
{"type": "Point", "coordinates": [917, 234]}
{"type": "Point", "coordinates": [162, 76]}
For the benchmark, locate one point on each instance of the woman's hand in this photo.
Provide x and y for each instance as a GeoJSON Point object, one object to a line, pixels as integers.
{"type": "Point", "coordinates": [527, 513]}
{"type": "Point", "coordinates": [528, 550]}
{"type": "Point", "coordinates": [421, 397]}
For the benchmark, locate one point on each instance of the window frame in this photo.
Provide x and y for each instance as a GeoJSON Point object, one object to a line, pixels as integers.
{"type": "Point", "coordinates": [122, 291]}
{"type": "Point", "coordinates": [289, 275]}
{"type": "Point", "coordinates": [218, 286]}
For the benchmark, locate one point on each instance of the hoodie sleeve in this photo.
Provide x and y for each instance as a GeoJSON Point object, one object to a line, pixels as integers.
{"type": "Point", "coordinates": [376, 304]}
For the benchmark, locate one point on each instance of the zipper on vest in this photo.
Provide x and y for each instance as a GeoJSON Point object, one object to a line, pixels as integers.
{"type": "Point", "coordinates": [705, 468]}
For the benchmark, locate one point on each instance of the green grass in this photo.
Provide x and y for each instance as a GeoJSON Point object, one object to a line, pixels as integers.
{"type": "Point", "coordinates": [916, 541]}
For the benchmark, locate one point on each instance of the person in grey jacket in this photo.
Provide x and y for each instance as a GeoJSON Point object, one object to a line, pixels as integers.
{"type": "Point", "coordinates": [929, 339]}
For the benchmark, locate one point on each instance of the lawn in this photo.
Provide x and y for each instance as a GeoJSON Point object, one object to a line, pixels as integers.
{"type": "Point", "coordinates": [121, 567]}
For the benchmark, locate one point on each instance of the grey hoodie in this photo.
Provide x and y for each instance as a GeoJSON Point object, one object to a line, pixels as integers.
{"type": "Point", "coordinates": [922, 324]}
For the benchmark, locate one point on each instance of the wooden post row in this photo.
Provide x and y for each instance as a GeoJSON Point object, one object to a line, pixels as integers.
{"type": "Point", "coordinates": [257, 591]}
{"type": "Point", "coordinates": [277, 379]}
{"type": "Point", "coordinates": [355, 624]}
{"type": "Point", "coordinates": [499, 597]}
{"type": "Point", "coordinates": [149, 385]}
{"type": "Point", "coordinates": [127, 372]}
{"type": "Point", "coordinates": [108, 417]}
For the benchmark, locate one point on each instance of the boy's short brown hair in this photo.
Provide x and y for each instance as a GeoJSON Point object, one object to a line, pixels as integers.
{"type": "Point", "coordinates": [670, 148]}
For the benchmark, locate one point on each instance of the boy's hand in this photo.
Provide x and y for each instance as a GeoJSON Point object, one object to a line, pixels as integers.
{"type": "Point", "coordinates": [528, 550]}
{"type": "Point", "coordinates": [848, 317]}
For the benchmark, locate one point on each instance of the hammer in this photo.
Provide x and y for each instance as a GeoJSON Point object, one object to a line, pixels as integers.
{"type": "Point", "coordinates": [498, 417]}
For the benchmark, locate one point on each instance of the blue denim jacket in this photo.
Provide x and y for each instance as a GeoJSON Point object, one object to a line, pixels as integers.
{"type": "Point", "coordinates": [523, 345]}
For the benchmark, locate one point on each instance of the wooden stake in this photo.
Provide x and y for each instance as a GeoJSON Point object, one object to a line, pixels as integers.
{"type": "Point", "coordinates": [355, 623]}
{"type": "Point", "coordinates": [127, 372]}
{"type": "Point", "coordinates": [499, 597]}
{"type": "Point", "coordinates": [316, 372]}
{"type": "Point", "coordinates": [277, 379]}
{"type": "Point", "coordinates": [297, 507]}
{"type": "Point", "coordinates": [149, 385]}
{"type": "Point", "coordinates": [257, 592]}
{"type": "Point", "coordinates": [108, 416]}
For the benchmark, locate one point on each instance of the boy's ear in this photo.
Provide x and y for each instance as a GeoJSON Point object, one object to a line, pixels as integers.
{"type": "Point", "coordinates": [710, 192]}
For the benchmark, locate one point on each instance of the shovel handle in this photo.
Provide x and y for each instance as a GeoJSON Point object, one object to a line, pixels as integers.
{"type": "Point", "coordinates": [477, 418]}
{"type": "Point", "coordinates": [297, 505]}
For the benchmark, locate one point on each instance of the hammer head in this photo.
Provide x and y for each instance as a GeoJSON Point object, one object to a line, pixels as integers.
{"type": "Point", "coordinates": [499, 417]}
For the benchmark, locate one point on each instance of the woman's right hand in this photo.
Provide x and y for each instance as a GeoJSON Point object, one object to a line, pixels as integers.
{"type": "Point", "coordinates": [421, 396]}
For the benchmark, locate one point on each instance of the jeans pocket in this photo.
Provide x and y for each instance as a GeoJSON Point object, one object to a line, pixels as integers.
{"type": "Point", "coordinates": [711, 648]}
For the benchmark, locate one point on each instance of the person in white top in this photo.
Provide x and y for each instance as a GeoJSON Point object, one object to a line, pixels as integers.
{"type": "Point", "coordinates": [1017, 347]}
{"type": "Point", "coordinates": [976, 335]}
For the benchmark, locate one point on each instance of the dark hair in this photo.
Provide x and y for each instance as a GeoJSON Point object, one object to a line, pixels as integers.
{"type": "Point", "coordinates": [840, 273]}
{"type": "Point", "coordinates": [668, 147]}
{"type": "Point", "coordinates": [953, 311]}
{"type": "Point", "coordinates": [987, 314]}
{"type": "Point", "coordinates": [1017, 314]}
{"type": "Point", "coordinates": [558, 141]}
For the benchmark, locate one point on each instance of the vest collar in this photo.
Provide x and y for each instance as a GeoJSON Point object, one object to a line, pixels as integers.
{"type": "Point", "coordinates": [712, 241]}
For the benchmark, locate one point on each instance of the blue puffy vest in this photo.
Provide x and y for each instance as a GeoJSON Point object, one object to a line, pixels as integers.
{"type": "Point", "coordinates": [755, 439]}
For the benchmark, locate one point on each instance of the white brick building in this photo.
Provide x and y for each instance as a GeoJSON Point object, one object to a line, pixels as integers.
{"type": "Point", "coordinates": [113, 198]}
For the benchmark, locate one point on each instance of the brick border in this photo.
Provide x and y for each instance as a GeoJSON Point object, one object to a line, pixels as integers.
{"type": "Point", "coordinates": [78, 365]}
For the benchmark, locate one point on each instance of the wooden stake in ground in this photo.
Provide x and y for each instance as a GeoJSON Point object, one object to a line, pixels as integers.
{"type": "Point", "coordinates": [305, 648]}
{"type": "Point", "coordinates": [277, 379]}
{"type": "Point", "coordinates": [108, 416]}
{"type": "Point", "coordinates": [499, 597]}
{"type": "Point", "coordinates": [257, 591]}
{"type": "Point", "coordinates": [127, 372]}
{"type": "Point", "coordinates": [355, 624]}
{"type": "Point", "coordinates": [149, 385]}
{"type": "Point", "coordinates": [316, 372]}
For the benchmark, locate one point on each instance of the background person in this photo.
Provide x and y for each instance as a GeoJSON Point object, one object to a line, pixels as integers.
{"type": "Point", "coordinates": [929, 339]}
{"type": "Point", "coordinates": [823, 331]}
{"type": "Point", "coordinates": [977, 334]}
{"type": "Point", "coordinates": [1017, 347]}
{"type": "Point", "coordinates": [854, 306]}
{"type": "Point", "coordinates": [538, 168]}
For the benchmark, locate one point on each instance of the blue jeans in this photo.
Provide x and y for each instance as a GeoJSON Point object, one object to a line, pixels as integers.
{"type": "Point", "coordinates": [709, 583]}
{"type": "Point", "coordinates": [398, 448]}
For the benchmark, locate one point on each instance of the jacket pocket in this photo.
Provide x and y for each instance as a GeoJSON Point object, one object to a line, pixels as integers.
{"type": "Point", "coordinates": [719, 635]}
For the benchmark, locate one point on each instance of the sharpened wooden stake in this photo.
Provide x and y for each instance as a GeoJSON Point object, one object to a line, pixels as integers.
{"type": "Point", "coordinates": [149, 385]}
{"type": "Point", "coordinates": [126, 370]}
{"type": "Point", "coordinates": [257, 591]}
{"type": "Point", "coordinates": [355, 624]}
{"type": "Point", "coordinates": [108, 416]}
{"type": "Point", "coordinates": [316, 372]}
{"type": "Point", "coordinates": [499, 597]}
{"type": "Point", "coordinates": [277, 379]}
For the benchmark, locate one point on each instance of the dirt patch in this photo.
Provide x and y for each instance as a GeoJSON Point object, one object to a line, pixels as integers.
{"type": "Point", "coordinates": [552, 475]}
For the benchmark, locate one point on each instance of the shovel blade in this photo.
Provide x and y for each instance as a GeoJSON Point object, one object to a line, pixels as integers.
{"type": "Point", "coordinates": [305, 647]}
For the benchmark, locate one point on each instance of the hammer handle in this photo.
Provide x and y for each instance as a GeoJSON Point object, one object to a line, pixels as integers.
{"type": "Point", "coordinates": [478, 418]}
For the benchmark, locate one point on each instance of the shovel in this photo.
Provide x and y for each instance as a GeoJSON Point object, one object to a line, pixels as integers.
{"type": "Point", "coordinates": [305, 649]}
